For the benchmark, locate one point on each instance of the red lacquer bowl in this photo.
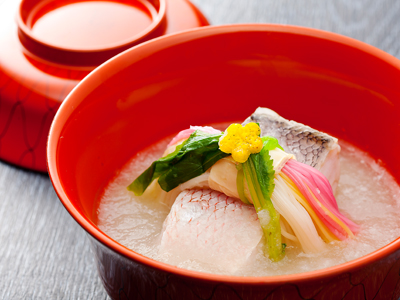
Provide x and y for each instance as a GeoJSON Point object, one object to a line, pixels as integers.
{"type": "Point", "coordinates": [219, 74]}
{"type": "Point", "coordinates": [53, 44]}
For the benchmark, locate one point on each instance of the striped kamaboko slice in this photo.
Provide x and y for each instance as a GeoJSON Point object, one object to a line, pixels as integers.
{"type": "Point", "coordinates": [319, 195]}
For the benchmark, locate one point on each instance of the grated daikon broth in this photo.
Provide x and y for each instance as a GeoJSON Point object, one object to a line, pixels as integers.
{"type": "Point", "coordinates": [367, 194]}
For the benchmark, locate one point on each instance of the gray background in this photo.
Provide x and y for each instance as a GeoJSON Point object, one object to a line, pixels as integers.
{"type": "Point", "coordinates": [44, 254]}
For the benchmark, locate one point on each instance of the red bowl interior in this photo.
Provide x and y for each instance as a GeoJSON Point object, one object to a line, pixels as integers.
{"type": "Point", "coordinates": [218, 74]}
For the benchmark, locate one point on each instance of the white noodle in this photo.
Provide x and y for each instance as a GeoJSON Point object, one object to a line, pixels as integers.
{"type": "Point", "coordinates": [297, 217]}
{"type": "Point", "coordinates": [285, 231]}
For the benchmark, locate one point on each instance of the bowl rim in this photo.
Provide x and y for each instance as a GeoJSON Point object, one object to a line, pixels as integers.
{"type": "Point", "coordinates": [69, 103]}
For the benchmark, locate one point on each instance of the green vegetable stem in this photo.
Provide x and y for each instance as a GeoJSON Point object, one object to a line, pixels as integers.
{"type": "Point", "coordinates": [259, 174]}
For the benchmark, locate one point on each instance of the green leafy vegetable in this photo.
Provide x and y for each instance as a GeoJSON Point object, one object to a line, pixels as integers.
{"type": "Point", "coordinates": [259, 174]}
{"type": "Point", "coordinates": [190, 159]}
{"type": "Point", "coordinates": [270, 143]}
{"type": "Point", "coordinates": [264, 168]}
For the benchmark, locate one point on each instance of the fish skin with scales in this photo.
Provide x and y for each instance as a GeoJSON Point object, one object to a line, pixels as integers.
{"type": "Point", "coordinates": [311, 147]}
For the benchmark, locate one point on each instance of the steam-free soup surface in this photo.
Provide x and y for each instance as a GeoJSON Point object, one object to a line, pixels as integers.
{"type": "Point", "coordinates": [366, 193]}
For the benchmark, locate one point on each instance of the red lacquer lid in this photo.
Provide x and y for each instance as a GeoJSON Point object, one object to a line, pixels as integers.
{"type": "Point", "coordinates": [53, 44]}
{"type": "Point", "coordinates": [87, 32]}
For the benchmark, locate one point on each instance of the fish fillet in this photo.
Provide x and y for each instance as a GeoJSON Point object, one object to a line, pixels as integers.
{"type": "Point", "coordinates": [210, 228]}
{"type": "Point", "coordinates": [311, 147]}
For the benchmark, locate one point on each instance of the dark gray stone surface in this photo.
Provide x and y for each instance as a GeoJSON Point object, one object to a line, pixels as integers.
{"type": "Point", "coordinates": [44, 254]}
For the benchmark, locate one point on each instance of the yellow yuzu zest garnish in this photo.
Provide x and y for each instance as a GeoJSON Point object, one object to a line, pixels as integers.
{"type": "Point", "coordinates": [241, 141]}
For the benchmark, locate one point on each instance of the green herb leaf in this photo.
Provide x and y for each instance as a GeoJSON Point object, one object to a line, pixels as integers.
{"type": "Point", "coordinates": [264, 168]}
{"type": "Point", "coordinates": [156, 169]}
{"type": "Point", "coordinates": [190, 159]}
{"type": "Point", "coordinates": [270, 143]}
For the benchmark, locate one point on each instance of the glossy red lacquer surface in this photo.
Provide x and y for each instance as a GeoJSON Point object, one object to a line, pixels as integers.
{"type": "Point", "coordinates": [219, 74]}
{"type": "Point", "coordinates": [47, 47]}
{"type": "Point", "coordinates": [92, 24]}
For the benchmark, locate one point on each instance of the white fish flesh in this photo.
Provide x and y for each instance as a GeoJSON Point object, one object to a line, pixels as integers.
{"type": "Point", "coordinates": [211, 228]}
{"type": "Point", "coordinates": [311, 147]}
